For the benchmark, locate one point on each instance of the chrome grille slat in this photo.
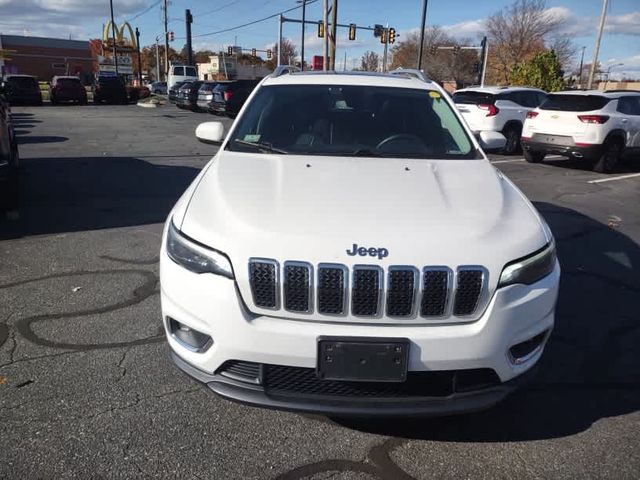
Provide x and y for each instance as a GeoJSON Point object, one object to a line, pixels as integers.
{"type": "Point", "coordinates": [402, 292]}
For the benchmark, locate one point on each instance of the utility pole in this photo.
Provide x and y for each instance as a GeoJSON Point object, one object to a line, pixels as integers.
{"type": "Point", "coordinates": [304, 8]}
{"type": "Point", "coordinates": [139, 59]}
{"type": "Point", "coordinates": [344, 64]}
{"type": "Point", "coordinates": [157, 60]}
{"type": "Point", "coordinates": [484, 63]}
{"type": "Point", "coordinates": [581, 66]}
{"type": "Point", "coordinates": [325, 18]}
{"type": "Point", "coordinates": [422, 26]}
{"type": "Point", "coordinates": [483, 44]}
{"type": "Point", "coordinates": [596, 52]}
{"type": "Point", "coordinates": [280, 40]}
{"type": "Point", "coordinates": [334, 38]}
{"type": "Point", "coordinates": [113, 34]}
{"type": "Point", "coordinates": [166, 41]}
{"type": "Point", "coordinates": [189, 20]}
{"type": "Point", "coordinates": [386, 46]}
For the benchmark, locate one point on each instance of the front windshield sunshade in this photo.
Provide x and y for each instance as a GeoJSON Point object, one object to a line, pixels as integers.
{"type": "Point", "coordinates": [351, 120]}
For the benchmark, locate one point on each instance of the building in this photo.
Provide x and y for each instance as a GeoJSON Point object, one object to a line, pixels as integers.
{"type": "Point", "coordinates": [46, 57]}
{"type": "Point", "coordinates": [622, 85]}
{"type": "Point", "coordinates": [224, 67]}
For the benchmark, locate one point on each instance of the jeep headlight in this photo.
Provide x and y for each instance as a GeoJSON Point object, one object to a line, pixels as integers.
{"type": "Point", "coordinates": [531, 268]}
{"type": "Point", "coordinates": [195, 257]}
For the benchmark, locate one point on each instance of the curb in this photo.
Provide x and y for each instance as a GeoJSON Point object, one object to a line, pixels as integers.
{"type": "Point", "coordinates": [147, 104]}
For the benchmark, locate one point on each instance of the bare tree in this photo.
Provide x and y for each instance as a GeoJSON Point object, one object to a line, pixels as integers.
{"type": "Point", "coordinates": [517, 32]}
{"type": "Point", "coordinates": [370, 61]}
{"type": "Point", "coordinates": [565, 50]}
{"type": "Point", "coordinates": [289, 54]}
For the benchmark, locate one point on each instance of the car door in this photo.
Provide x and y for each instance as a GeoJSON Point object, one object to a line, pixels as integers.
{"type": "Point", "coordinates": [629, 108]}
{"type": "Point", "coordinates": [5, 139]}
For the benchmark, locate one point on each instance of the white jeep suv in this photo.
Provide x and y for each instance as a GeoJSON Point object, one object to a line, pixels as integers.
{"type": "Point", "coordinates": [498, 109]}
{"type": "Point", "coordinates": [349, 250]}
{"type": "Point", "coordinates": [600, 127]}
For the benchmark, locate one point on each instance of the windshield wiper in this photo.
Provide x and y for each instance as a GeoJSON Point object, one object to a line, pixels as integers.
{"type": "Point", "coordinates": [362, 152]}
{"type": "Point", "coordinates": [262, 146]}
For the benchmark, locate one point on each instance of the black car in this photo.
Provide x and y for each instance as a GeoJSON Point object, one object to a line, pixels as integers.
{"type": "Point", "coordinates": [110, 89]}
{"type": "Point", "coordinates": [22, 90]}
{"type": "Point", "coordinates": [9, 157]}
{"type": "Point", "coordinates": [229, 97]}
{"type": "Point", "coordinates": [173, 91]}
{"type": "Point", "coordinates": [188, 95]}
{"type": "Point", "coordinates": [67, 89]}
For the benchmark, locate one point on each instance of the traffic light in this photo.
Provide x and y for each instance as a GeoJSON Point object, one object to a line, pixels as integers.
{"type": "Point", "coordinates": [171, 36]}
{"type": "Point", "coordinates": [456, 49]}
{"type": "Point", "coordinates": [476, 67]}
{"type": "Point", "coordinates": [377, 30]}
{"type": "Point", "coordinates": [253, 52]}
{"type": "Point", "coordinates": [321, 29]}
{"type": "Point", "coordinates": [352, 31]}
{"type": "Point", "coordinates": [229, 50]}
{"type": "Point", "coordinates": [433, 49]}
{"type": "Point", "coordinates": [269, 54]}
{"type": "Point", "coordinates": [383, 37]}
{"type": "Point", "coordinates": [392, 35]}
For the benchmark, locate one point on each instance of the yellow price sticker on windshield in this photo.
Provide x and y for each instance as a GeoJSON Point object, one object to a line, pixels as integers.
{"type": "Point", "coordinates": [434, 94]}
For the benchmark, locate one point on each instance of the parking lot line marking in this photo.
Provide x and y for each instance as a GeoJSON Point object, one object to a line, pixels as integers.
{"type": "Point", "coordinates": [611, 179]}
{"type": "Point", "coordinates": [509, 161]}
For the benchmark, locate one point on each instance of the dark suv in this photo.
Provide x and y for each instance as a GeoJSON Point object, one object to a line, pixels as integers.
{"type": "Point", "coordinates": [67, 89]}
{"type": "Point", "coordinates": [8, 157]}
{"type": "Point", "coordinates": [109, 89]}
{"type": "Point", "coordinates": [188, 95]}
{"type": "Point", "coordinates": [22, 90]}
{"type": "Point", "coordinates": [229, 97]}
{"type": "Point", "coordinates": [173, 91]}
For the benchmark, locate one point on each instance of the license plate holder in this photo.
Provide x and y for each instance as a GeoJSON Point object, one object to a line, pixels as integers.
{"type": "Point", "coordinates": [363, 359]}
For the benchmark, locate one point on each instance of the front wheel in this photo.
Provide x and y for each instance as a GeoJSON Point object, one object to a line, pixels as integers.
{"type": "Point", "coordinates": [609, 157]}
{"type": "Point", "coordinates": [533, 157]}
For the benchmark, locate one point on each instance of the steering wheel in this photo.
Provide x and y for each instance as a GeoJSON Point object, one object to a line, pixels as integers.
{"type": "Point", "coordinates": [400, 136]}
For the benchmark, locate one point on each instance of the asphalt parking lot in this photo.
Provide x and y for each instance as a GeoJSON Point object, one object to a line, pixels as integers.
{"type": "Point", "coordinates": [87, 389]}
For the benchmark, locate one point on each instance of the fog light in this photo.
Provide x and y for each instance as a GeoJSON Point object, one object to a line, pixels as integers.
{"type": "Point", "coordinates": [523, 351]}
{"type": "Point", "coordinates": [188, 337]}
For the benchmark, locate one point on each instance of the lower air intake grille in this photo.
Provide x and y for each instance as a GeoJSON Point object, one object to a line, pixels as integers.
{"type": "Point", "coordinates": [295, 381]}
{"type": "Point", "coordinates": [297, 283]}
{"type": "Point", "coordinates": [365, 294]}
{"type": "Point", "coordinates": [468, 288]}
{"type": "Point", "coordinates": [263, 278]}
{"type": "Point", "coordinates": [401, 292]}
{"type": "Point", "coordinates": [435, 284]}
{"type": "Point", "coordinates": [243, 371]}
{"type": "Point", "coordinates": [331, 290]}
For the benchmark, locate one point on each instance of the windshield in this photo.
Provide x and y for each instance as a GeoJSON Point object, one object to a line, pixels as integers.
{"type": "Point", "coordinates": [351, 121]}
{"type": "Point", "coordinates": [68, 82]}
{"type": "Point", "coordinates": [574, 103]}
{"type": "Point", "coordinates": [190, 72]}
{"type": "Point", "coordinates": [23, 82]}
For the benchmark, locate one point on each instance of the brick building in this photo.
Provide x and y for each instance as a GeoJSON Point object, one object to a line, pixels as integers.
{"type": "Point", "coordinates": [46, 57]}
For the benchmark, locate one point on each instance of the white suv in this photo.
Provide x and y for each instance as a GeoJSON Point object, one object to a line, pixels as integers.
{"type": "Point", "coordinates": [600, 127]}
{"type": "Point", "coordinates": [349, 250]}
{"type": "Point", "coordinates": [498, 109]}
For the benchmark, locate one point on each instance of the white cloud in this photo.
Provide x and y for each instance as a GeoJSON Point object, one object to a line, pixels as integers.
{"type": "Point", "coordinates": [627, 24]}
{"type": "Point", "coordinates": [470, 29]}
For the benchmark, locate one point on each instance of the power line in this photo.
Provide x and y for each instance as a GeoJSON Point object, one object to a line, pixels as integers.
{"type": "Point", "coordinates": [146, 10]}
{"type": "Point", "coordinates": [252, 22]}
{"type": "Point", "coordinates": [216, 9]}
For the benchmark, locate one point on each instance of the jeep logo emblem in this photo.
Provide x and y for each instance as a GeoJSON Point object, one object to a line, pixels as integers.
{"type": "Point", "coordinates": [364, 251]}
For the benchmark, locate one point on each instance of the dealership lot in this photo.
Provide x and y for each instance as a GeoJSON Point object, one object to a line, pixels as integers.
{"type": "Point", "coordinates": [87, 388]}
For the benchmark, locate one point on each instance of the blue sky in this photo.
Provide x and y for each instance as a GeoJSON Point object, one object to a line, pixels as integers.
{"type": "Point", "coordinates": [461, 18]}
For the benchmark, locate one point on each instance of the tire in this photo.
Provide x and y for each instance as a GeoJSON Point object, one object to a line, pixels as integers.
{"type": "Point", "coordinates": [512, 133]}
{"type": "Point", "coordinates": [533, 157]}
{"type": "Point", "coordinates": [609, 157]}
{"type": "Point", "coordinates": [53, 101]}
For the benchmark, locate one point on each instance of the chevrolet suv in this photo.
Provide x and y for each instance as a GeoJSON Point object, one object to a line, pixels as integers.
{"type": "Point", "coordinates": [498, 109]}
{"type": "Point", "coordinates": [349, 250]}
{"type": "Point", "coordinates": [599, 127]}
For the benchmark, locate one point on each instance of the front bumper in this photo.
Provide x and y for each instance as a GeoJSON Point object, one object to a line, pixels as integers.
{"type": "Point", "coordinates": [212, 305]}
{"type": "Point", "coordinates": [590, 152]}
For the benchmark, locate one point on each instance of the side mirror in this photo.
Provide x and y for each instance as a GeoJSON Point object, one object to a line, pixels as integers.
{"type": "Point", "coordinates": [492, 140]}
{"type": "Point", "coordinates": [210, 132]}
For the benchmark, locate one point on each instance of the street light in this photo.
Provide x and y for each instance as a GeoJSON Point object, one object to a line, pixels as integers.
{"type": "Point", "coordinates": [304, 5]}
{"type": "Point", "coordinates": [609, 71]}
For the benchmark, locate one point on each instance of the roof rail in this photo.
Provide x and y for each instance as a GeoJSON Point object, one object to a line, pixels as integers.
{"type": "Point", "coordinates": [284, 69]}
{"type": "Point", "coordinates": [411, 73]}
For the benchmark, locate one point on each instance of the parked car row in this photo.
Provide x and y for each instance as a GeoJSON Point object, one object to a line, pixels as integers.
{"type": "Point", "coordinates": [216, 97]}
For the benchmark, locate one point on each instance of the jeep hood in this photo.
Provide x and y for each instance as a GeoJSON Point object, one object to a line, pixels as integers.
{"type": "Point", "coordinates": [306, 208]}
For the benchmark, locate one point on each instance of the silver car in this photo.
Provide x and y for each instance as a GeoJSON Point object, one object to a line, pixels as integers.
{"type": "Point", "coordinates": [205, 95]}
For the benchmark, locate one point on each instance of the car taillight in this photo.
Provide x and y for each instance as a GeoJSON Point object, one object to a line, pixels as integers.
{"type": "Point", "coordinates": [532, 114]}
{"type": "Point", "coordinates": [227, 95]}
{"type": "Point", "coordinates": [491, 109]}
{"type": "Point", "coordinates": [599, 119]}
